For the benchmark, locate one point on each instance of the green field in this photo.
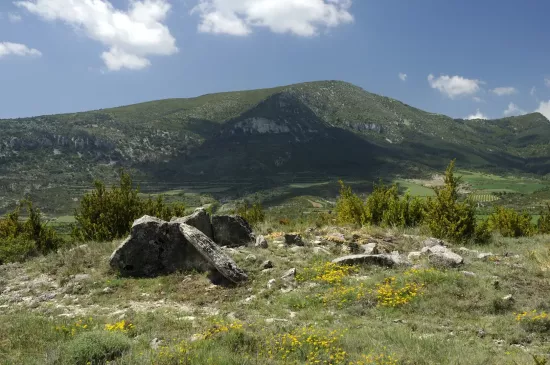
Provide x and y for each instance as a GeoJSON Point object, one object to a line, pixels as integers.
{"type": "Point", "coordinates": [492, 183]}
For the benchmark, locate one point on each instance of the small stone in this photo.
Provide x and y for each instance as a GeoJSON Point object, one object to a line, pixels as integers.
{"type": "Point", "coordinates": [155, 343]}
{"type": "Point", "coordinates": [468, 273]}
{"type": "Point", "coordinates": [430, 242]}
{"type": "Point", "coordinates": [271, 283]}
{"type": "Point", "coordinates": [415, 255]}
{"type": "Point", "coordinates": [481, 333]}
{"type": "Point", "coordinates": [294, 239]}
{"type": "Point", "coordinates": [249, 299]}
{"type": "Point", "coordinates": [265, 271]}
{"type": "Point", "coordinates": [261, 242]}
{"type": "Point", "coordinates": [289, 274]}
{"type": "Point", "coordinates": [485, 255]}
{"type": "Point", "coordinates": [250, 258]}
{"type": "Point", "coordinates": [508, 298]}
{"type": "Point", "coordinates": [107, 290]}
{"type": "Point", "coordinates": [446, 259]}
{"type": "Point", "coordinates": [267, 264]}
{"type": "Point", "coordinates": [81, 277]}
{"type": "Point", "coordinates": [370, 248]}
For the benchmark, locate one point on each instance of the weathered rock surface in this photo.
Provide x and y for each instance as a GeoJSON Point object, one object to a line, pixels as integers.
{"type": "Point", "coordinates": [261, 242]}
{"type": "Point", "coordinates": [294, 239]}
{"type": "Point", "coordinates": [370, 248]}
{"type": "Point", "coordinates": [156, 247]}
{"type": "Point", "coordinates": [200, 219]}
{"type": "Point", "coordinates": [446, 259]}
{"type": "Point", "coordinates": [378, 260]}
{"type": "Point", "coordinates": [232, 231]}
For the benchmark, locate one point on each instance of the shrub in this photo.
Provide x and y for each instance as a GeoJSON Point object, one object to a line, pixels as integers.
{"type": "Point", "coordinates": [543, 223]}
{"type": "Point", "coordinates": [446, 216]}
{"type": "Point", "coordinates": [349, 207]}
{"type": "Point", "coordinates": [108, 214]}
{"type": "Point", "coordinates": [19, 240]}
{"type": "Point", "coordinates": [379, 203]}
{"type": "Point", "coordinates": [510, 223]}
{"type": "Point", "coordinates": [483, 232]}
{"type": "Point", "coordinates": [96, 347]}
{"type": "Point", "coordinates": [252, 213]}
{"type": "Point", "coordinates": [403, 212]}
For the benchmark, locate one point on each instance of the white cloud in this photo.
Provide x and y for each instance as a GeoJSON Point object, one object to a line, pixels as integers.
{"type": "Point", "coordinates": [14, 17]}
{"type": "Point", "coordinates": [513, 109]}
{"type": "Point", "coordinates": [403, 76]}
{"type": "Point", "coordinates": [17, 49]}
{"type": "Point", "coordinates": [477, 99]}
{"type": "Point", "coordinates": [131, 35]}
{"type": "Point", "coordinates": [544, 108]}
{"type": "Point", "coordinates": [454, 86]}
{"type": "Point", "coordinates": [300, 17]}
{"type": "Point", "coordinates": [477, 115]}
{"type": "Point", "coordinates": [547, 82]}
{"type": "Point", "coordinates": [501, 91]}
{"type": "Point", "coordinates": [533, 91]}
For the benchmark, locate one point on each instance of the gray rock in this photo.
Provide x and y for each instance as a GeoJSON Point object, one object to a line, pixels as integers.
{"type": "Point", "coordinates": [213, 254]}
{"type": "Point", "coordinates": [289, 274]}
{"type": "Point", "coordinates": [378, 260]}
{"type": "Point", "coordinates": [446, 259]}
{"type": "Point", "coordinates": [468, 273]}
{"type": "Point", "coordinates": [155, 343]}
{"type": "Point", "coordinates": [370, 248]}
{"type": "Point", "coordinates": [271, 283]}
{"type": "Point", "coordinates": [434, 249]}
{"type": "Point", "coordinates": [232, 231]}
{"type": "Point", "coordinates": [156, 247]}
{"type": "Point", "coordinates": [251, 258]}
{"type": "Point", "coordinates": [429, 242]}
{"type": "Point", "coordinates": [82, 277]}
{"type": "Point", "coordinates": [415, 255]}
{"type": "Point", "coordinates": [484, 255]}
{"type": "Point", "coordinates": [200, 219]}
{"type": "Point", "coordinates": [267, 264]}
{"type": "Point", "coordinates": [508, 298]}
{"type": "Point", "coordinates": [294, 239]}
{"type": "Point", "coordinates": [336, 237]}
{"type": "Point", "coordinates": [261, 242]}
{"type": "Point", "coordinates": [297, 248]}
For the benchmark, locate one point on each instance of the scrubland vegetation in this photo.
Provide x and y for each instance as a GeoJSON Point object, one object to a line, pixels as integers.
{"type": "Point", "coordinates": [61, 303]}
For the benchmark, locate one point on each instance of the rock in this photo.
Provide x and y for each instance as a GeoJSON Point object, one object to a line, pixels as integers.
{"type": "Point", "coordinates": [293, 239]}
{"type": "Point", "coordinates": [213, 254]}
{"type": "Point", "coordinates": [484, 255]}
{"type": "Point", "coordinates": [232, 231]}
{"type": "Point", "coordinates": [468, 273]}
{"type": "Point", "coordinates": [107, 290]}
{"type": "Point", "coordinates": [320, 251]}
{"type": "Point", "coordinates": [370, 248]}
{"type": "Point", "coordinates": [156, 247]}
{"type": "Point", "coordinates": [155, 343]}
{"type": "Point", "coordinates": [378, 260]}
{"type": "Point", "coordinates": [336, 237]}
{"type": "Point", "coordinates": [297, 249]}
{"type": "Point", "coordinates": [434, 249]}
{"type": "Point", "coordinates": [446, 259]}
{"type": "Point", "coordinates": [467, 251]}
{"type": "Point", "coordinates": [271, 283]}
{"type": "Point", "coordinates": [289, 274]}
{"type": "Point", "coordinates": [261, 242]}
{"type": "Point", "coordinates": [267, 264]}
{"type": "Point", "coordinates": [200, 219]}
{"type": "Point", "coordinates": [81, 277]}
{"type": "Point", "coordinates": [508, 298]}
{"type": "Point", "coordinates": [251, 258]}
{"type": "Point", "coordinates": [429, 242]}
{"type": "Point", "coordinates": [415, 255]}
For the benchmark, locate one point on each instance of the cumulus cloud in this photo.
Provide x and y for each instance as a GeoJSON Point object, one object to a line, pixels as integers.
{"type": "Point", "coordinates": [477, 99]}
{"type": "Point", "coordinates": [403, 76]}
{"type": "Point", "coordinates": [454, 86]}
{"type": "Point", "coordinates": [14, 17]}
{"type": "Point", "coordinates": [300, 17]}
{"type": "Point", "coordinates": [131, 36]}
{"type": "Point", "coordinates": [17, 49]}
{"type": "Point", "coordinates": [477, 115]}
{"type": "Point", "coordinates": [547, 82]}
{"type": "Point", "coordinates": [513, 109]}
{"type": "Point", "coordinates": [544, 108]}
{"type": "Point", "coordinates": [501, 91]}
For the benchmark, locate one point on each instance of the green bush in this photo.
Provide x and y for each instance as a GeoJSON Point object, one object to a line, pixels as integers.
{"type": "Point", "coordinates": [96, 347]}
{"type": "Point", "coordinates": [483, 232]}
{"type": "Point", "coordinates": [543, 223]}
{"type": "Point", "coordinates": [252, 213]}
{"type": "Point", "coordinates": [403, 212]}
{"type": "Point", "coordinates": [383, 201]}
{"type": "Point", "coordinates": [510, 223]}
{"type": "Point", "coordinates": [20, 240]}
{"type": "Point", "coordinates": [108, 214]}
{"type": "Point", "coordinates": [446, 216]}
{"type": "Point", "coordinates": [349, 207]}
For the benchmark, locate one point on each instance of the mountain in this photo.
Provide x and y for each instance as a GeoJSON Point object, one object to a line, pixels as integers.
{"type": "Point", "coordinates": [305, 131]}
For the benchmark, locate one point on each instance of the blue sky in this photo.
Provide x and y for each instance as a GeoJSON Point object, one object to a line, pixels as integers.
{"type": "Point", "coordinates": [461, 58]}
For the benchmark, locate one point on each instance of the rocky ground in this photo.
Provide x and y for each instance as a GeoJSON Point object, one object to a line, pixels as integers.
{"type": "Point", "coordinates": [334, 295]}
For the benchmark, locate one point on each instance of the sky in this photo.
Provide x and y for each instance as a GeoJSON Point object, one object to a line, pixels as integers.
{"type": "Point", "coordinates": [463, 58]}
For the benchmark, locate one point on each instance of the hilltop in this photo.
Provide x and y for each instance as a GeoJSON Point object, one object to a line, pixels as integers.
{"type": "Point", "coordinates": [303, 132]}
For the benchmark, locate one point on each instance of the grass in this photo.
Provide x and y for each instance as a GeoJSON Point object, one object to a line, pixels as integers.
{"type": "Point", "coordinates": [357, 315]}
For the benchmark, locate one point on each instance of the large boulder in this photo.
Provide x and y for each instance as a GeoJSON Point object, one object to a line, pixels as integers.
{"type": "Point", "coordinates": [200, 219]}
{"type": "Point", "coordinates": [156, 247]}
{"type": "Point", "coordinates": [232, 231]}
